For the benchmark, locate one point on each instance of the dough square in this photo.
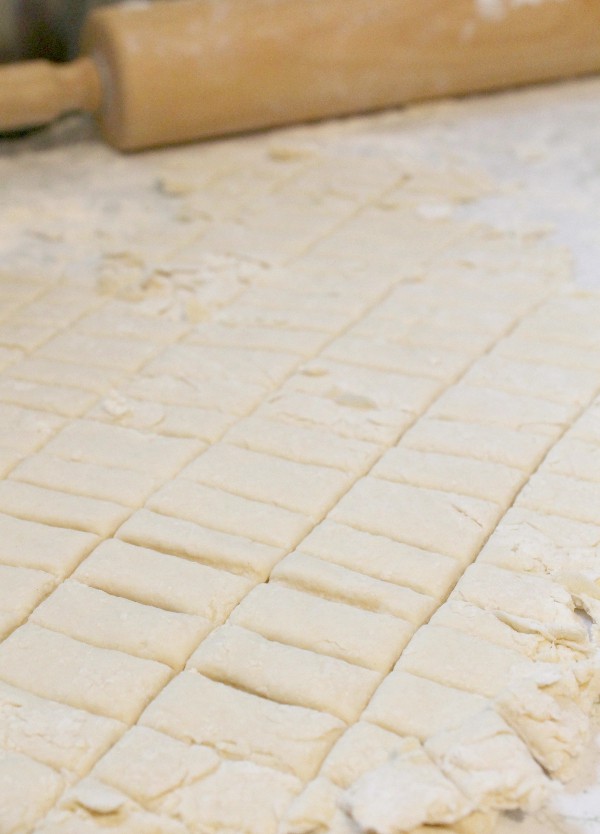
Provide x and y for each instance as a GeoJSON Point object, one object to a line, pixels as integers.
{"type": "Point", "coordinates": [460, 660]}
{"type": "Point", "coordinates": [146, 764]}
{"type": "Point", "coordinates": [158, 579]}
{"type": "Point", "coordinates": [122, 486]}
{"type": "Point", "coordinates": [496, 444]}
{"type": "Point", "coordinates": [451, 473]}
{"type": "Point", "coordinates": [93, 442]}
{"type": "Point", "coordinates": [361, 748]}
{"type": "Point", "coordinates": [101, 681]}
{"type": "Point", "coordinates": [212, 547]}
{"type": "Point", "coordinates": [411, 705]}
{"type": "Point", "coordinates": [25, 430]}
{"type": "Point", "coordinates": [489, 406]}
{"type": "Point", "coordinates": [574, 458]}
{"type": "Point", "coordinates": [228, 513]}
{"type": "Point", "coordinates": [322, 578]}
{"type": "Point", "coordinates": [27, 790]}
{"type": "Point", "coordinates": [560, 495]}
{"type": "Point", "coordinates": [21, 589]}
{"type": "Point", "coordinates": [382, 558]}
{"type": "Point", "coordinates": [301, 444]}
{"type": "Point", "coordinates": [438, 363]}
{"type": "Point", "coordinates": [66, 374]}
{"type": "Point", "coordinates": [111, 622]}
{"type": "Point", "coordinates": [284, 674]}
{"type": "Point", "coordinates": [461, 523]}
{"type": "Point", "coordinates": [58, 400]}
{"type": "Point", "coordinates": [59, 509]}
{"type": "Point", "coordinates": [357, 636]}
{"type": "Point", "coordinates": [304, 343]}
{"type": "Point", "coordinates": [54, 734]}
{"type": "Point", "coordinates": [28, 544]}
{"type": "Point", "coordinates": [299, 487]}
{"type": "Point", "coordinates": [240, 725]}
{"type": "Point", "coordinates": [104, 351]}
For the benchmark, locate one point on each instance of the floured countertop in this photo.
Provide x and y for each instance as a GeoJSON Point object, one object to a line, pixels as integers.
{"type": "Point", "coordinates": [298, 433]}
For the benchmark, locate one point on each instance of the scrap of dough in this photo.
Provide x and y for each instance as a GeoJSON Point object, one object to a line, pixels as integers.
{"type": "Point", "coordinates": [284, 674]}
{"type": "Point", "coordinates": [490, 764]}
{"type": "Point", "coordinates": [543, 709]}
{"type": "Point", "coordinates": [530, 604]}
{"type": "Point", "coordinates": [238, 798]}
{"type": "Point", "coordinates": [243, 726]}
{"type": "Point", "coordinates": [363, 637]}
{"type": "Point", "coordinates": [405, 792]}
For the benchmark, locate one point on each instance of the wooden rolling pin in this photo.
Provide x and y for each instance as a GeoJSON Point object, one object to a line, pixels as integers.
{"type": "Point", "coordinates": [167, 72]}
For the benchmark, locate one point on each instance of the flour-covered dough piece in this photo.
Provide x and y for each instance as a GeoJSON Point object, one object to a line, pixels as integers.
{"type": "Point", "coordinates": [569, 497]}
{"type": "Point", "coordinates": [407, 791]}
{"type": "Point", "coordinates": [549, 710]}
{"type": "Point", "coordinates": [530, 604]}
{"type": "Point", "coordinates": [92, 442]}
{"type": "Point", "coordinates": [243, 726]}
{"type": "Point", "coordinates": [490, 764]}
{"type": "Point", "coordinates": [239, 798]}
{"type": "Point", "coordinates": [27, 790]}
{"type": "Point", "coordinates": [521, 412]}
{"type": "Point", "coordinates": [123, 486]}
{"type": "Point", "coordinates": [363, 637]}
{"type": "Point", "coordinates": [54, 734]}
{"type": "Point", "coordinates": [361, 748]}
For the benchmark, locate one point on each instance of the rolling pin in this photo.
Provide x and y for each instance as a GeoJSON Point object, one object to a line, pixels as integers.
{"type": "Point", "coordinates": [177, 70]}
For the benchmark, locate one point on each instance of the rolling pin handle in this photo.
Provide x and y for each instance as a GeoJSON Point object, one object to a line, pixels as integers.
{"type": "Point", "coordinates": [34, 93]}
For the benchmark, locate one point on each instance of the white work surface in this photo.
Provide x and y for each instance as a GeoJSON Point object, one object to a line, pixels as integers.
{"type": "Point", "coordinates": [71, 206]}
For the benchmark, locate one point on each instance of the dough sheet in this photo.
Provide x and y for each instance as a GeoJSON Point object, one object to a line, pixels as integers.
{"type": "Point", "coordinates": [299, 509]}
